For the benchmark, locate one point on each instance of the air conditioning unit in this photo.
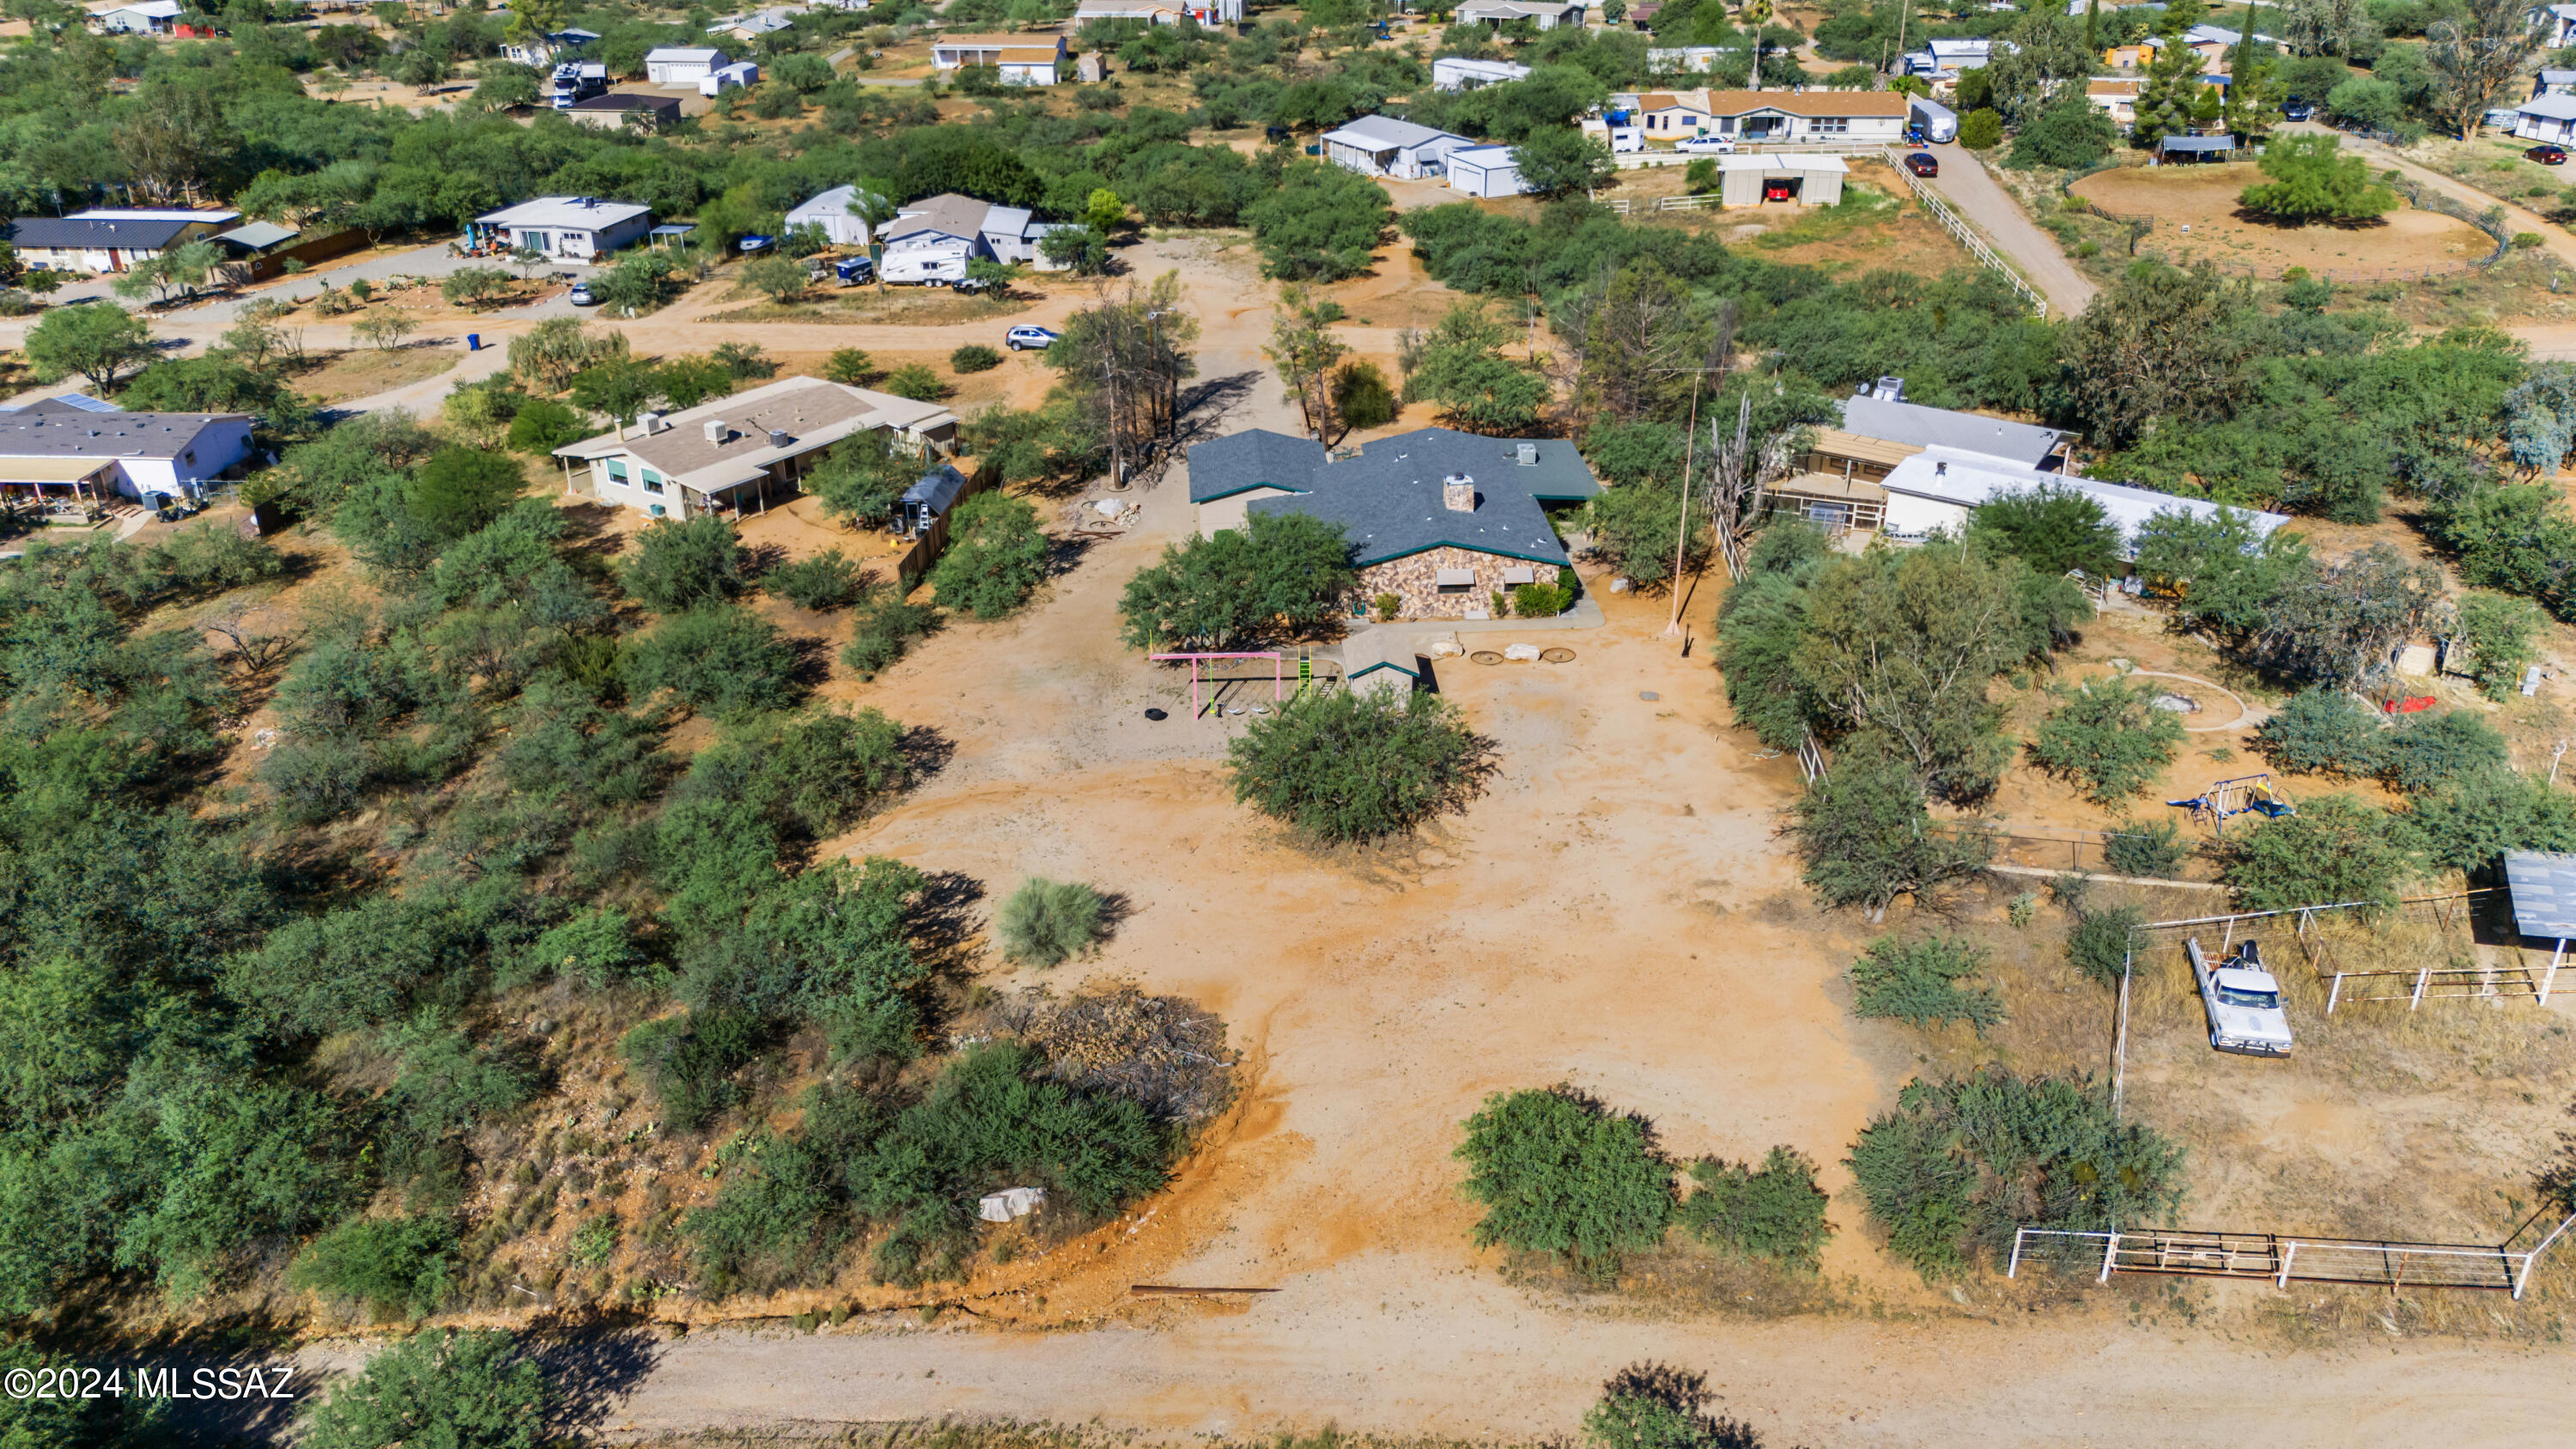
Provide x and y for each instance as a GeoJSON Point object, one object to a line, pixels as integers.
{"type": "Point", "coordinates": [778, 437]}
{"type": "Point", "coordinates": [717, 432]}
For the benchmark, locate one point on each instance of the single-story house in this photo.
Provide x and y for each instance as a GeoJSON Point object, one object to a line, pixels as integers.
{"type": "Point", "coordinates": [1856, 118]}
{"type": "Point", "coordinates": [1021, 60]}
{"type": "Point", "coordinates": [1936, 489]}
{"type": "Point", "coordinates": [2558, 25]}
{"type": "Point", "coordinates": [1002, 233]}
{"type": "Point", "coordinates": [741, 75]}
{"type": "Point", "coordinates": [2192, 150]}
{"type": "Point", "coordinates": [682, 65]}
{"type": "Point", "coordinates": [568, 228]}
{"type": "Point", "coordinates": [144, 17]}
{"type": "Point", "coordinates": [1441, 519]}
{"type": "Point", "coordinates": [1942, 60]}
{"type": "Point", "coordinates": [2116, 97]}
{"type": "Point", "coordinates": [738, 453]}
{"type": "Point", "coordinates": [838, 212]}
{"type": "Point", "coordinates": [108, 239]}
{"type": "Point", "coordinates": [1385, 146]}
{"type": "Point", "coordinates": [2554, 82]}
{"type": "Point", "coordinates": [1486, 171]}
{"type": "Point", "coordinates": [1458, 73]}
{"type": "Point", "coordinates": [540, 53]}
{"type": "Point", "coordinates": [752, 25]}
{"type": "Point", "coordinates": [1546, 14]}
{"type": "Point", "coordinates": [625, 108]}
{"type": "Point", "coordinates": [1883, 414]}
{"type": "Point", "coordinates": [85, 453]}
{"type": "Point", "coordinates": [2546, 118]}
{"type": "Point", "coordinates": [1149, 12]}
{"type": "Point", "coordinates": [1682, 58]}
{"type": "Point", "coordinates": [1810, 180]}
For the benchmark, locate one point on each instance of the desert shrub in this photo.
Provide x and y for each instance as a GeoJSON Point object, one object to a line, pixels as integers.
{"type": "Point", "coordinates": [2496, 634]}
{"type": "Point", "coordinates": [596, 947]}
{"type": "Point", "coordinates": [2431, 750]}
{"type": "Point", "coordinates": [991, 1117]}
{"type": "Point", "coordinates": [2145, 848]}
{"type": "Point", "coordinates": [1540, 601]}
{"type": "Point", "coordinates": [1210, 592]}
{"type": "Point", "coordinates": [974, 357]}
{"type": "Point", "coordinates": [2098, 942]}
{"type": "Point", "coordinates": [2054, 530]}
{"type": "Point", "coordinates": [1981, 130]}
{"type": "Point", "coordinates": [687, 564]}
{"type": "Point", "coordinates": [1362, 396]}
{"type": "Point", "coordinates": [1652, 1406]}
{"type": "Point", "coordinates": [1557, 1172]}
{"type": "Point", "coordinates": [1917, 983]}
{"type": "Point", "coordinates": [205, 558]}
{"type": "Point", "coordinates": [1960, 1163]}
{"type": "Point", "coordinates": [884, 626]}
{"type": "Point", "coordinates": [2110, 735]}
{"type": "Point", "coordinates": [810, 774]}
{"type": "Point", "coordinates": [915, 381]}
{"type": "Point", "coordinates": [996, 556]}
{"type": "Point", "coordinates": [688, 1062]}
{"type": "Point", "coordinates": [1866, 837]}
{"type": "Point", "coordinates": [393, 1265]}
{"type": "Point", "coordinates": [472, 1390]}
{"type": "Point", "coordinates": [2471, 821]}
{"type": "Point", "coordinates": [1777, 1212]}
{"type": "Point", "coordinates": [723, 661]}
{"type": "Point", "coordinates": [826, 580]}
{"type": "Point", "coordinates": [2322, 732]}
{"type": "Point", "coordinates": [542, 425]}
{"type": "Point", "coordinates": [827, 946]}
{"type": "Point", "coordinates": [1351, 766]}
{"type": "Point", "coordinates": [1047, 922]}
{"type": "Point", "coordinates": [2335, 849]}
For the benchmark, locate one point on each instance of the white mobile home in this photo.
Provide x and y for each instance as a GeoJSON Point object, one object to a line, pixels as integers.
{"type": "Point", "coordinates": [1384, 146]}
{"type": "Point", "coordinates": [568, 228]}
{"type": "Point", "coordinates": [740, 453]}
{"type": "Point", "coordinates": [1458, 73]}
{"type": "Point", "coordinates": [838, 212]}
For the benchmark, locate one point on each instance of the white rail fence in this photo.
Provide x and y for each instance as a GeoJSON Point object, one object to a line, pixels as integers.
{"type": "Point", "coordinates": [2284, 1260]}
{"type": "Point", "coordinates": [1966, 235]}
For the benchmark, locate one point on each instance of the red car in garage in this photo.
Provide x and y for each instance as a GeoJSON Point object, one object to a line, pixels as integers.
{"type": "Point", "coordinates": [1779, 190]}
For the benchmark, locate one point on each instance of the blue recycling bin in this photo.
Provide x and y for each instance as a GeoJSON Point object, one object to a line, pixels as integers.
{"type": "Point", "coordinates": [473, 341]}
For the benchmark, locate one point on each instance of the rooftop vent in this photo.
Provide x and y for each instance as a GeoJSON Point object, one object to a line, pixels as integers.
{"type": "Point", "coordinates": [1529, 455]}
{"type": "Point", "coordinates": [1940, 469]}
{"type": "Point", "coordinates": [778, 437]}
{"type": "Point", "coordinates": [717, 432]}
{"type": "Point", "coordinates": [1458, 491]}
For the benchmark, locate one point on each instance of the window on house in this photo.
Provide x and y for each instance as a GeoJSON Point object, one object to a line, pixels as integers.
{"type": "Point", "coordinates": [617, 469]}
{"type": "Point", "coordinates": [1832, 125]}
{"type": "Point", "coordinates": [652, 481]}
{"type": "Point", "coordinates": [1454, 581]}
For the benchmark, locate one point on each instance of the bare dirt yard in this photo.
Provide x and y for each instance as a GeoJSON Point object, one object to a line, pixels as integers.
{"type": "Point", "coordinates": [1614, 910]}
{"type": "Point", "coordinates": [2197, 217]}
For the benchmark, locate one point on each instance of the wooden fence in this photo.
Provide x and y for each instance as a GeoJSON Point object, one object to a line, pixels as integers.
{"type": "Point", "coordinates": [914, 562]}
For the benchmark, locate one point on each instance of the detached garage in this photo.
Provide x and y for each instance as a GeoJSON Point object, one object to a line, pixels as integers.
{"type": "Point", "coordinates": [1486, 171]}
{"type": "Point", "coordinates": [1798, 180]}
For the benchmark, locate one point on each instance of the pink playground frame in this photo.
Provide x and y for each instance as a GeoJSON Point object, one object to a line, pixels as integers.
{"type": "Point", "coordinates": [1278, 672]}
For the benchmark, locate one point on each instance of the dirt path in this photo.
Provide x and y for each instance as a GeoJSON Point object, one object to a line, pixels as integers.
{"type": "Point", "coordinates": [1963, 183]}
{"type": "Point", "coordinates": [2556, 238]}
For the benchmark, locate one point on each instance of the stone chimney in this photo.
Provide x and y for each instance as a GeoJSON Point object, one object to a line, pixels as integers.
{"type": "Point", "coordinates": [1458, 491]}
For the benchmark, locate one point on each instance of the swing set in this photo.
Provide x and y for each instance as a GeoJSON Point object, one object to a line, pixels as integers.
{"type": "Point", "coordinates": [2242, 795]}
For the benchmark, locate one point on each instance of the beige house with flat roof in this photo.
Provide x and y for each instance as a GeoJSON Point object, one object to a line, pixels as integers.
{"type": "Point", "coordinates": [738, 454]}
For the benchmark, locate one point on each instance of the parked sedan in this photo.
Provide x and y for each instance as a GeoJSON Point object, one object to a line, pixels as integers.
{"type": "Point", "coordinates": [2547, 155]}
{"type": "Point", "coordinates": [1706, 146]}
{"type": "Point", "coordinates": [580, 295]}
{"type": "Point", "coordinates": [2296, 109]}
{"type": "Point", "coordinates": [1922, 163]}
{"type": "Point", "coordinates": [1021, 337]}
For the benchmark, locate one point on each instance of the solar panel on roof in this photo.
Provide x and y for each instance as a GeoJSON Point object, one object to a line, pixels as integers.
{"type": "Point", "coordinates": [2544, 892]}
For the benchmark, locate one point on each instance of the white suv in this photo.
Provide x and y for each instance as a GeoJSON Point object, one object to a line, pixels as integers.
{"type": "Point", "coordinates": [1020, 337]}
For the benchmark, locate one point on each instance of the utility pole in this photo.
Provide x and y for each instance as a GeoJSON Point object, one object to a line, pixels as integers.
{"type": "Point", "coordinates": [1690, 455]}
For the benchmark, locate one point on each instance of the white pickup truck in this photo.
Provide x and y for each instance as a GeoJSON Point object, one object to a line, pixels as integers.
{"type": "Point", "coordinates": [2243, 1001]}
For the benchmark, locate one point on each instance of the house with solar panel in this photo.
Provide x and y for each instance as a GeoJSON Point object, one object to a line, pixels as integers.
{"type": "Point", "coordinates": [1442, 520]}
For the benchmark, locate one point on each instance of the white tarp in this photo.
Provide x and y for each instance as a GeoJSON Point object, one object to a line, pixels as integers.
{"type": "Point", "coordinates": [1011, 1202]}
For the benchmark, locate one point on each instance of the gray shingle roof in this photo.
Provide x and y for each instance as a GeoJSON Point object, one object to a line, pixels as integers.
{"type": "Point", "coordinates": [2196, 143]}
{"type": "Point", "coordinates": [39, 432]}
{"type": "Point", "coordinates": [1931, 427]}
{"type": "Point", "coordinates": [1389, 497]}
{"type": "Point", "coordinates": [61, 231]}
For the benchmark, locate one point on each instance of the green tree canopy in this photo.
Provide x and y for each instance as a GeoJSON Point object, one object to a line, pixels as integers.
{"type": "Point", "coordinates": [2313, 179]}
{"type": "Point", "coordinates": [1230, 587]}
{"type": "Point", "coordinates": [469, 1390]}
{"type": "Point", "coordinates": [1558, 1172]}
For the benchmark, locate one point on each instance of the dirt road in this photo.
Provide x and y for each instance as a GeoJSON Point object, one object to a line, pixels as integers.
{"type": "Point", "coordinates": [1963, 183]}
